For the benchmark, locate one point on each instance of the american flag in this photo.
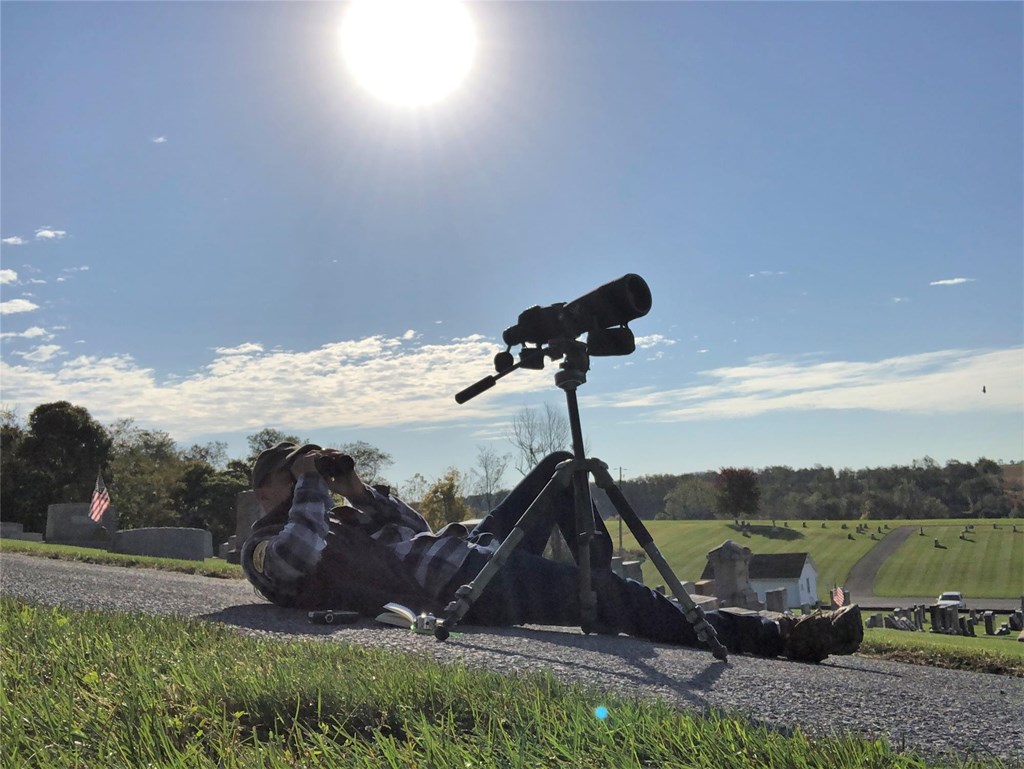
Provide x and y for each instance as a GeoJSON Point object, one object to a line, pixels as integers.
{"type": "Point", "coordinates": [838, 596]}
{"type": "Point", "coordinates": [100, 500]}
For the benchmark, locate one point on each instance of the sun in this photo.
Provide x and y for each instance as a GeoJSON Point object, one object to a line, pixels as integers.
{"type": "Point", "coordinates": [408, 52]}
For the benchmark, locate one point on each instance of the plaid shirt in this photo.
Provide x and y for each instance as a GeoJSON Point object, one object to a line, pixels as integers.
{"type": "Point", "coordinates": [292, 554]}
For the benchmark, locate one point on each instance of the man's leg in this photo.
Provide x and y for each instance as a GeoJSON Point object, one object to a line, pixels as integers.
{"type": "Point", "coordinates": [533, 590]}
{"type": "Point", "coordinates": [560, 511]}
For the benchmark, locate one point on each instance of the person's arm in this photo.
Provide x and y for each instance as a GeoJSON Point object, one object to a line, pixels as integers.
{"type": "Point", "coordinates": [283, 560]}
{"type": "Point", "coordinates": [385, 508]}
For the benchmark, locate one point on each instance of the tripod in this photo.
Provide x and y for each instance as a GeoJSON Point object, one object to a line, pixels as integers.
{"type": "Point", "coordinates": [577, 472]}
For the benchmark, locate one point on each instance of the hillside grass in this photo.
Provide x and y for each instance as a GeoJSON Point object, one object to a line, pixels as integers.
{"type": "Point", "coordinates": [1000, 655]}
{"type": "Point", "coordinates": [987, 563]}
{"type": "Point", "coordinates": [211, 567]}
{"type": "Point", "coordinates": [991, 565]}
{"type": "Point", "coordinates": [97, 690]}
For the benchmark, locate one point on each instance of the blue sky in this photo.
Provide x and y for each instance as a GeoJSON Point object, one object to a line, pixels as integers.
{"type": "Point", "coordinates": [210, 227]}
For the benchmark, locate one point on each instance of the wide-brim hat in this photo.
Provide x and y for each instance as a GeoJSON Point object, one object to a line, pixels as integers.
{"type": "Point", "coordinates": [279, 457]}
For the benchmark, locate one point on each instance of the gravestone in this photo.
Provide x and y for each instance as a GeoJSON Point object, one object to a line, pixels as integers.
{"type": "Point", "coordinates": [990, 623]}
{"type": "Point", "coordinates": [704, 587]}
{"type": "Point", "coordinates": [69, 524]}
{"type": "Point", "coordinates": [632, 570]}
{"type": "Point", "coordinates": [730, 564]}
{"type": "Point", "coordinates": [935, 618]}
{"type": "Point", "coordinates": [11, 530]}
{"type": "Point", "coordinates": [247, 512]}
{"type": "Point", "coordinates": [775, 600]}
{"type": "Point", "coordinates": [165, 542]}
{"type": "Point", "coordinates": [1016, 621]}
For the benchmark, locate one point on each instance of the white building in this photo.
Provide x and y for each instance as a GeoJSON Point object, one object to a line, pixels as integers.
{"type": "Point", "coordinates": [795, 572]}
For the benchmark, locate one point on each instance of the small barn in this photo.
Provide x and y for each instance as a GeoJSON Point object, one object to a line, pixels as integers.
{"type": "Point", "coordinates": [795, 572]}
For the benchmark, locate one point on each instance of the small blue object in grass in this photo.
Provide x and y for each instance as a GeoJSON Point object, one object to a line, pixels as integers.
{"type": "Point", "coordinates": [601, 712]}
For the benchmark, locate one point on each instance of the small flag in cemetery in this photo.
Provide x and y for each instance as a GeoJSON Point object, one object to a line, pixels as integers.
{"type": "Point", "coordinates": [100, 500]}
{"type": "Point", "coordinates": [839, 596]}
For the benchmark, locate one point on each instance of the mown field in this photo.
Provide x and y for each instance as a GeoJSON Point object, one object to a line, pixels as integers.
{"type": "Point", "coordinates": [988, 564]}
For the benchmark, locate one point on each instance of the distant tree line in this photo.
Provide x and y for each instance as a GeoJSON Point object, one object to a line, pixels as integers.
{"type": "Point", "coordinates": [54, 455]}
{"type": "Point", "coordinates": [923, 489]}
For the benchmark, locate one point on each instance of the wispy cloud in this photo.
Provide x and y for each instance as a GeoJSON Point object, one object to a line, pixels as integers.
{"type": "Point", "coordinates": [8, 276]}
{"type": "Point", "coordinates": [35, 332]}
{"type": "Point", "coordinates": [14, 240]}
{"type": "Point", "coordinates": [159, 140]}
{"type": "Point", "coordinates": [374, 381]}
{"type": "Point", "coordinates": [13, 306]}
{"type": "Point", "coordinates": [944, 382]}
{"type": "Point", "coordinates": [653, 340]}
{"type": "Point", "coordinates": [48, 233]}
{"type": "Point", "coordinates": [951, 281]}
{"type": "Point", "coordinates": [242, 349]}
{"type": "Point", "coordinates": [42, 353]}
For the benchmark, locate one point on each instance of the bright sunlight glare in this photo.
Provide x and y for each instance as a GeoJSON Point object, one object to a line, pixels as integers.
{"type": "Point", "coordinates": [408, 52]}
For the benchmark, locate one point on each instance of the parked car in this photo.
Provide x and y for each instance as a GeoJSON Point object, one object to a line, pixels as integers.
{"type": "Point", "coordinates": [953, 598]}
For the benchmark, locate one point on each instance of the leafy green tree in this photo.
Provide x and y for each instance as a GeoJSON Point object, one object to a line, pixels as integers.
{"type": "Point", "coordinates": [738, 492]}
{"type": "Point", "coordinates": [56, 459]}
{"type": "Point", "coordinates": [204, 497]}
{"type": "Point", "coordinates": [12, 434]}
{"type": "Point", "coordinates": [445, 501]}
{"type": "Point", "coordinates": [693, 498]}
{"type": "Point", "coordinates": [267, 438]}
{"type": "Point", "coordinates": [145, 466]}
{"type": "Point", "coordinates": [646, 494]}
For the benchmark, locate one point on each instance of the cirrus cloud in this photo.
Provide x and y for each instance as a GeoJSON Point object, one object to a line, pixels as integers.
{"type": "Point", "coordinates": [942, 382]}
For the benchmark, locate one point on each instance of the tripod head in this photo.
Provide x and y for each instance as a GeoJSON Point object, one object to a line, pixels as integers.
{"type": "Point", "coordinates": [602, 314]}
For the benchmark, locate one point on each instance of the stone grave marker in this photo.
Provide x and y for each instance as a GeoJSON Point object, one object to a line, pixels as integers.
{"type": "Point", "coordinates": [69, 524]}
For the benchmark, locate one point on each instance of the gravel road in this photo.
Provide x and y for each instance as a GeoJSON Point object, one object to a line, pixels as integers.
{"type": "Point", "coordinates": [926, 709]}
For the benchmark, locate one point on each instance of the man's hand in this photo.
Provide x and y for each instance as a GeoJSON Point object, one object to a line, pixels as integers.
{"type": "Point", "coordinates": [348, 485]}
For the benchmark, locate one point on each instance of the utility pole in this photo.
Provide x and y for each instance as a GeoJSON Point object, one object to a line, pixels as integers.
{"type": "Point", "coordinates": [620, 517]}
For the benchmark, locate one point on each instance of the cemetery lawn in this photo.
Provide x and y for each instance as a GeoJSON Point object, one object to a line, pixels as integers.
{"type": "Point", "coordinates": [988, 564]}
{"type": "Point", "coordinates": [1002, 655]}
{"type": "Point", "coordinates": [90, 689]}
{"type": "Point", "coordinates": [211, 567]}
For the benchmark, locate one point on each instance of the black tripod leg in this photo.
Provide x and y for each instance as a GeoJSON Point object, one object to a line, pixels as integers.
{"type": "Point", "coordinates": [584, 535]}
{"type": "Point", "coordinates": [694, 614]}
{"type": "Point", "coordinates": [467, 595]}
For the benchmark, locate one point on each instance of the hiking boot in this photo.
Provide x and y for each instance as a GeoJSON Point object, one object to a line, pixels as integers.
{"type": "Point", "coordinates": [814, 636]}
{"type": "Point", "coordinates": [847, 630]}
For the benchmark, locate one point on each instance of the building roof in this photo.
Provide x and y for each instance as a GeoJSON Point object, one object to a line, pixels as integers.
{"type": "Point", "coordinates": [770, 566]}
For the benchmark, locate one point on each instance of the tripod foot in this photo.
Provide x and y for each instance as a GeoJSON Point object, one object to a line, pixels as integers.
{"type": "Point", "coordinates": [441, 633]}
{"type": "Point", "coordinates": [719, 652]}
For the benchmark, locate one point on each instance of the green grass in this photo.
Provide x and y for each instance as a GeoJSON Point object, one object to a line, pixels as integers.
{"type": "Point", "coordinates": [88, 689]}
{"type": "Point", "coordinates": [211, 567]}
{"type": "Point", "coordinates": [1002, 655]}
{"type": "Point", "coordinates": [989, 563]}
{"type": "Point", "coordinates": [991, 566]}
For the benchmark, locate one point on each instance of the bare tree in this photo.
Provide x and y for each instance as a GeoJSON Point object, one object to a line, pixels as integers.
{"type": "Point", "coordinates": [488, 473]}
{"type": "Point", "coordinates": [536, 435]}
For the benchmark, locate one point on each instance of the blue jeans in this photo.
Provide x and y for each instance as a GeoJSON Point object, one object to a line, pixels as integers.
{"type": "Point", "coordinates": [532, 590]}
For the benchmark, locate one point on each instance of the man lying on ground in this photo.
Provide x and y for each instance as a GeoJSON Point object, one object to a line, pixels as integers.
{"type": "Point", "coordinates": [307, 553]}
